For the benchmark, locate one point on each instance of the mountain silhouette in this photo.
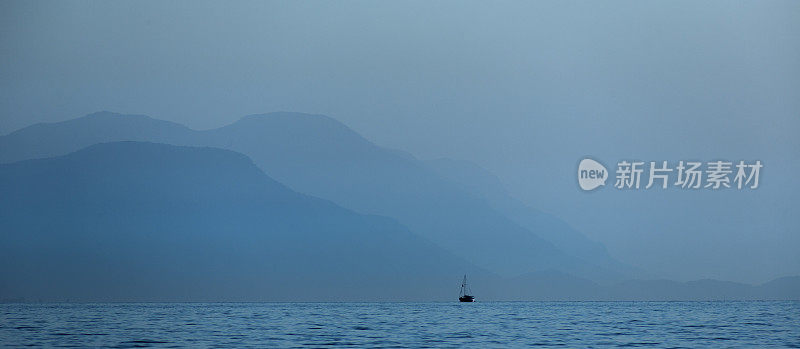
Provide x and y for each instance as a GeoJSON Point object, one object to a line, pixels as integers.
{"type": "Point", "coordinates": [138, 221]}
{"type": "Point", "coordinates": [145, 221]}
{"type": "Point", "coordinates": [50, 139]}
{"type": "Point", "coordinates": [478, 180]}
{"type": "Point", "coordinates": [319, 156]}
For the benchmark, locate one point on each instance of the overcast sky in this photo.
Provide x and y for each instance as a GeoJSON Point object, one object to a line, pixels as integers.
{"type": "Point", "coordinates": [524, 89]}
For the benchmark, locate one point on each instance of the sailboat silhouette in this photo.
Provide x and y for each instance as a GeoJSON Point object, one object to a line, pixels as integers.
{"type": "Point", "coordinates": [464, 295]}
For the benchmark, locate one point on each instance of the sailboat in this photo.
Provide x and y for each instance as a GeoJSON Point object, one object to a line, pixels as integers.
{"type": "Point", "coordinates": [464, 296]}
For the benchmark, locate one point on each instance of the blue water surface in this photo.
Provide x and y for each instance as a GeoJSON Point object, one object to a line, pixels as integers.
{"type": "Point", "coordinates": [481, 324]}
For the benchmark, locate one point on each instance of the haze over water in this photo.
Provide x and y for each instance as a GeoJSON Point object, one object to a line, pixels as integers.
{"type": "Point", "coordinates": [286, 153]}
{"type": "Point", "coordinates": [523, 89]}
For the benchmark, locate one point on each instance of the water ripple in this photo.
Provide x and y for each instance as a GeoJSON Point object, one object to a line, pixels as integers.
{"type": "Point", "coordinates": [393, 325]}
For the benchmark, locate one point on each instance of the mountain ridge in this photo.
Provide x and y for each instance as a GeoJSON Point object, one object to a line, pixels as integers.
{"type": "Point", "coordinates": [139, 221]}
{"type": "Point", "coordinates": [322, 157]}
{"type": "Point", "coordinates": [197, 224]}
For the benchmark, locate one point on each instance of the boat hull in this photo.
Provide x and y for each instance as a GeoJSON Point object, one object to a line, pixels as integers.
{"type": "Point", "coordinates": [466, 299]}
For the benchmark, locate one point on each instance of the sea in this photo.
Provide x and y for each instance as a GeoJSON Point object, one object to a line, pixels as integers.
{"type": "Point", "coordinates": [721, 324]}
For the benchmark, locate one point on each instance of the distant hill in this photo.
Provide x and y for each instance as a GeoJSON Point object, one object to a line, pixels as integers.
{"type": "Point", "coordinates": [144, 221]}
{"type": "Point", "coordinates": [479, 180]}
{"type": "Point", "coordinates": [553, 285]}
{"type": "Point", "coordinates": [87, 220]}
{"type": "Point", "coordinates": [319, 156]}
{"type": "Point", "coordinates": [135, 221]}
{"type": "Point", "coordinates": [51, 139]}
{"type": "Point", "coordinates": [702, 290]}
{"type": "Point", "coordinates": [781, 288]}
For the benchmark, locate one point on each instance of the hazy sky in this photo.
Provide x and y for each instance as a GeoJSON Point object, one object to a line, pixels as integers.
{"type": "Point", "coordinates": [524, 89]}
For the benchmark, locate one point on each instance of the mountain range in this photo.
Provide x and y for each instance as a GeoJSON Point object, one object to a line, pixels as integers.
{"type": "Point", "coordinates": [144, 221]}
{"type": "Point", "coordinates": [284, 206]}
{"type": "Point", "coordinates": [316, 155]}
